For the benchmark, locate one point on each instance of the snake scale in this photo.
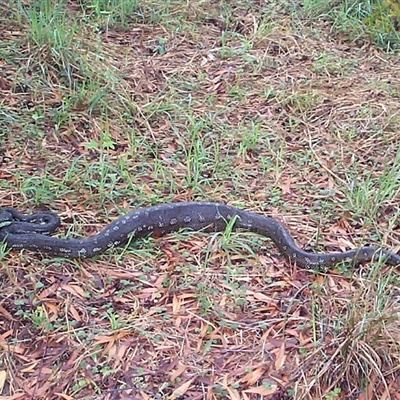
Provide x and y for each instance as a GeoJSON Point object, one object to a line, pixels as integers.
{"type": "Point", "coordinates": [32, 232]}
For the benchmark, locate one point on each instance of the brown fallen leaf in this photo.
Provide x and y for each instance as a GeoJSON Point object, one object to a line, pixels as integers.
{"type": "Point", "coordinates": [181, 390]}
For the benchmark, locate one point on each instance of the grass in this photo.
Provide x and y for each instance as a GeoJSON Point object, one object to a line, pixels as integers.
{"type": "Point", "coordinates": [373, 19]}
{"type": "Point", "coordinates": [111, 105]}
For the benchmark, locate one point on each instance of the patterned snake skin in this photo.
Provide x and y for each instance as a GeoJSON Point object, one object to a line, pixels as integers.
{"type": "Point", "coordinates": [31, 232]}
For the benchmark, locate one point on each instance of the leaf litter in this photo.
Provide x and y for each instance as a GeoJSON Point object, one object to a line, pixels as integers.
{"type": "Point", "coordinates": [186, 316]}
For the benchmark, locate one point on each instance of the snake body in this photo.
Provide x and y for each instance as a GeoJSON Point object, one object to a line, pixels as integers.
{"type": "Point", "coordinates": [32, 232]}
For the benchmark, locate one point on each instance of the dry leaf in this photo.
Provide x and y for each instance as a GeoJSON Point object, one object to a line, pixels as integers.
{"type": "Point", "coordinates": [262, 390]}
{"type": "Point", "coordinates": [280, 358]}
{"type": "Point", "coordinates": [181, 390]}
{"type": "Point", "coordinates": [3, 376]}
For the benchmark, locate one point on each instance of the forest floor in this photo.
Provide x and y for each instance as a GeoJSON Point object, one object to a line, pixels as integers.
{"type": "Point", "coordinates": [245, 103]}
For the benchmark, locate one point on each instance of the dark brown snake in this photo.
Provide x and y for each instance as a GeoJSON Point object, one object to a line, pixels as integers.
{"type": "Point", "coordinates": [32, 232]}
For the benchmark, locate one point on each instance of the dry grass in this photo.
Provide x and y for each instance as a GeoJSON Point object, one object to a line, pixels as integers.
{"type": "Point", "coordinates": [243, 104]}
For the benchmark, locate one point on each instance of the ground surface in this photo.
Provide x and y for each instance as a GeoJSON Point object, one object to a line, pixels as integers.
{"type": "Point", "coordinates": [245, 103]}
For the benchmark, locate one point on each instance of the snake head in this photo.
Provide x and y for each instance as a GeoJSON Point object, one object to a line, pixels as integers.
{"type": "Point", "coordinates": [6, 218]}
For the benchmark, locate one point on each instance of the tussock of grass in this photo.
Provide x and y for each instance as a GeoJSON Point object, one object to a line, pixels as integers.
{"type": "Point", "coordinates": [376, 19]}
{"type": "Point", "coordinates": [357, 336]}
{"type": "Point", "coordinates": [110, 105]}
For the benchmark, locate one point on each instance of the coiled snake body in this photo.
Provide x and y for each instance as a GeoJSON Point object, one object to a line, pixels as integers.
{"type": "Point", "coordinates": [32, 232]}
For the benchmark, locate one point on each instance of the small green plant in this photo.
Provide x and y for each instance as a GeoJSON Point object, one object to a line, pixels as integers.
{"type": "Point", "coordinates": [333, 394]}
{"type": "Point", "coordinates": [38, 318]}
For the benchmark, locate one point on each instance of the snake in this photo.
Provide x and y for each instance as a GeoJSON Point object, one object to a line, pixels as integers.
{"type": "Point", "coordinates": [33, 232]}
